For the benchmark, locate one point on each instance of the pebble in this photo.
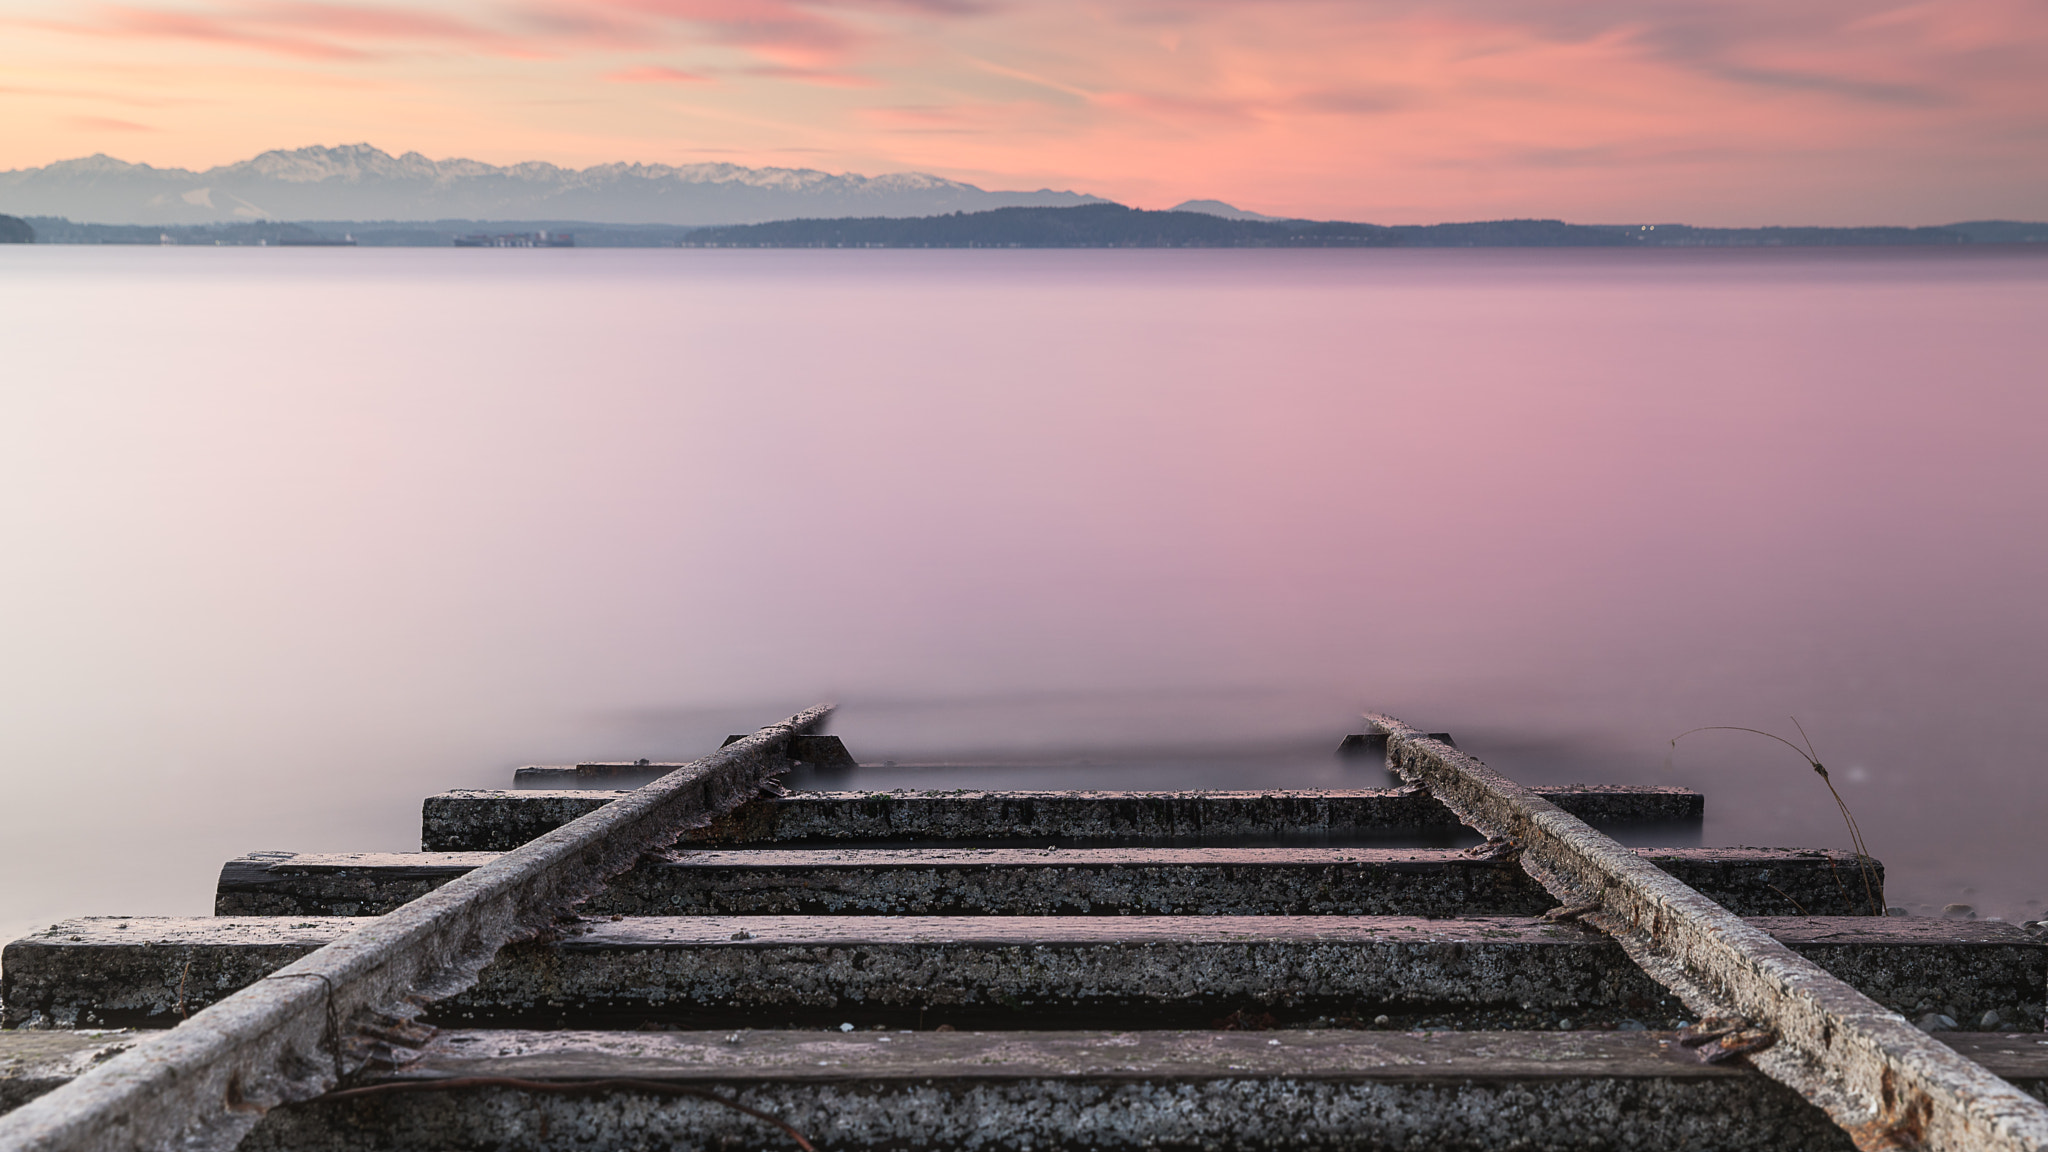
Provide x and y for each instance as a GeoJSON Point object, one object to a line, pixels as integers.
{"type": "Point", "coordinates": [846, 1027]}
{"type": "Point", "coordinates": [1935, 1022]}
{"type": "Point", "coordinates": [1990, 1019]}
{"type": "Point", "coordinates": [1958, 912]}
{"type": "Point", "coordinates": [1631, 1026]}
{"type": "Point", "coordinates": [1380, 1021]}
{"type": "Point", "coordinates": [1564, 1025]}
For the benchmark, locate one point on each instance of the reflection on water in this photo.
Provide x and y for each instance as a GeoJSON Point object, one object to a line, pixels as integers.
{"type": "Point", "coordinates": [297, 537]}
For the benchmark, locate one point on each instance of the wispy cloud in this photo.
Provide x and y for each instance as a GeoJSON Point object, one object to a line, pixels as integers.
{"type": "Point", "coordinates": [109, 124]}
{"type": "Point", "coordinates": [824, 77]}
{"type": "Point", "coordinates": [305, 31]}
{"type": "Point", "coordinates": [152, 24]}
{"type": "Point", "coordinates": [656, 74]}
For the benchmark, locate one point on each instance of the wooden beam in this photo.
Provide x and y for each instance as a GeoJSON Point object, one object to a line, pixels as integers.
{"type": "Point", "coordinates": [1884, 1081]}
{"type": "Point", "coordinates": [286, 1037]}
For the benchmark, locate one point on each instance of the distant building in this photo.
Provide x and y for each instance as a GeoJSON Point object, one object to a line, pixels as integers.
{"type": "Point", "coordinates": [517, 240]}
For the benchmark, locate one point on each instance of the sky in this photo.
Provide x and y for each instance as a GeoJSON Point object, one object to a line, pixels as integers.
{"type": "Point", "coordinates": [1393, 111]}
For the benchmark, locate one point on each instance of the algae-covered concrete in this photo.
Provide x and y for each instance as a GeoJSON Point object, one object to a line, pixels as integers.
{"type": "Point", "coordinates": [482, 820]}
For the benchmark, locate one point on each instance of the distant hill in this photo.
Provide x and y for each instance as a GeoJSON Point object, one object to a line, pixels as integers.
{"type": "Point", "coordinates": [1086, 226]}
{"type": "Point", "coordinates": [1115, 226]}
{"type": "Point", "coordinates": [1219, 208]}
{"type": "Point", "coordinates": [1089, 226]}
{"type": "Point", "coordinates": [13, 231]}
{"type": "Point", "coordinates": [359, 182]}
{"type": "Point", "coordinates": [2003, 231]}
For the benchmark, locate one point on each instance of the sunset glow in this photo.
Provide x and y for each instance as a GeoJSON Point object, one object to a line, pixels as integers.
{"type": "Point", "coordinates": [1738, 112]}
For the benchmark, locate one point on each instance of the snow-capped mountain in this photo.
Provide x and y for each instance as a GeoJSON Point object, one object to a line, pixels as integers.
{"type": "Point", "coordinates": [358, 182]}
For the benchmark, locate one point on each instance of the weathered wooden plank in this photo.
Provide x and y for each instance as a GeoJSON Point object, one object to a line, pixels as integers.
{"type": "Point", "coordinates": [34, 1062]}
{"type": "Point", "coordinates": [493, 820]}
{"type": "Point", "coordinates": [1016, 970]}
{"type": "Point", "coordinates": [1012, 1092]}
{"type": "Point", "coordinates": [204, 1083]}
{"type": "Point", "coordinates": [1884, 1081]}
{"type": "Point", "coordinates": [1141, 881]}
{"type": "Point", "coordinates": [1173, 1090]}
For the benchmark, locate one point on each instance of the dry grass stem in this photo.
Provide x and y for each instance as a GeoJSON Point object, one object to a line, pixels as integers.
{"type": "Point", "coordinates": [1806, 753]}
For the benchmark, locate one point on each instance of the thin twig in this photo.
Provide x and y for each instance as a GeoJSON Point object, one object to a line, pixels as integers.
{"type": "Point", "coordinates": [333, 1021]}
{"type": "Point", "coordinates": [1812, 759]}
{"type": "Point", "coordinates": [1787, 896]}
{"type": "Point", "coordinates": [568, 1087]}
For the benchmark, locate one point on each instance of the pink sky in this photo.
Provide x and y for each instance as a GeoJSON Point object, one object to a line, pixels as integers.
{"type": "Point", "coordinates": [1396, 111]}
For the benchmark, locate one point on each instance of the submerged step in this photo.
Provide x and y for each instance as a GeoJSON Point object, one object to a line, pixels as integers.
{"type": "Point", "coordinates": [495, 820]}
{"type": "Point", "coordinates": [1039, 882]}
{"type": "Point", "coordinates": [827, 753]}
{"type": "Point", "coordinates": [42, 1060]}
{"type": "Point", "coordinates": [1026, 971]}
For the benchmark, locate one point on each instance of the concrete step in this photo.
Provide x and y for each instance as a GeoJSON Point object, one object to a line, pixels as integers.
{"type": "Point", "coordinates": [1024, 971]}
{"type": "Point", "coordinates": [1036, 1090]}
{"type": "Point", "coordinates": [1036, 882]}
{"type": "Point", "coordinates": [495, 820]}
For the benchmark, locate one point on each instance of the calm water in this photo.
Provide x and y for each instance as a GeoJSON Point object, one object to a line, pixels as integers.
{"type": "Point", "coordinates": [293, 538]}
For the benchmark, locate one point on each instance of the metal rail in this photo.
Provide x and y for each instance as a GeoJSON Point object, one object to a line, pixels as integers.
{"type": "Point", "coordinates": [1886, 1083]}
{"type": "Point", "coordinates": [291, 1036]}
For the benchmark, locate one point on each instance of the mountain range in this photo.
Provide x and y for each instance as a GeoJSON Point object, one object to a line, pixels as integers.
{"type": "Point", "coordinates": [359, 182]}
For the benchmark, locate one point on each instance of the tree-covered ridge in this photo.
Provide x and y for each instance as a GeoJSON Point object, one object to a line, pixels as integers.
{"type": "Point", "coordinates": [14, 230]}
{"type": "Point", "coordinates": [1094, 226]}
{"type": "Point", "coordinates": [1115, 226]}
{"type": "Point", "coordinates": [1087, 226]}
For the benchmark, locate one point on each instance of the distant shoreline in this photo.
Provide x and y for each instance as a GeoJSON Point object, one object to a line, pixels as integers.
{"type": "Point", "coordinates": [1085, 226]}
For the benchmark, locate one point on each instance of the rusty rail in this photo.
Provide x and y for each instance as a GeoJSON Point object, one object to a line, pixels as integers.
{"type": "Point", "coordinates": [1886, 1083]}
{"type": "Point", "coordinates": [293, 1035]}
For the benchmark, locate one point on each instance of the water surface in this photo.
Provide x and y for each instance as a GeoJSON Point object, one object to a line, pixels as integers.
{"type": "Point", "coordinates": [294, 538]}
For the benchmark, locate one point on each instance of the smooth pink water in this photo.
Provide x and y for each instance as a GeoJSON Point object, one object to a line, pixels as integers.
{"type": "Point", "coordinates": [297, 537]}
